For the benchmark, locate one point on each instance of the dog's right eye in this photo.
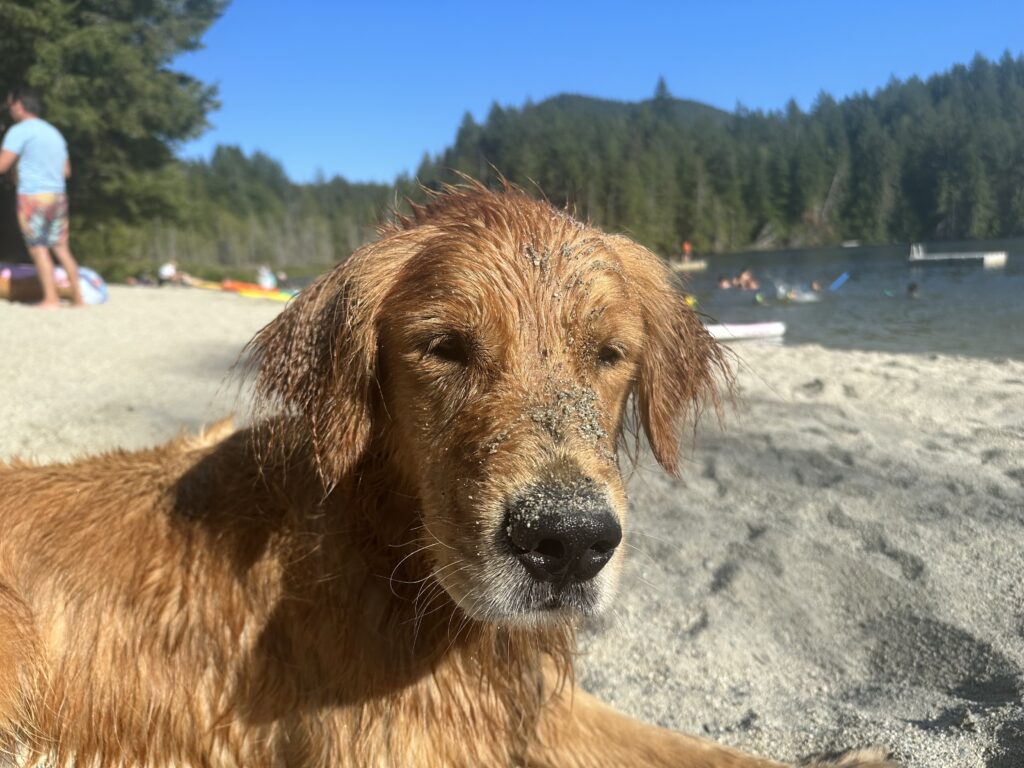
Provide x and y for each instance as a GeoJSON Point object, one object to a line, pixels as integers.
{"type": "Point", "coordinates": [450, 347]}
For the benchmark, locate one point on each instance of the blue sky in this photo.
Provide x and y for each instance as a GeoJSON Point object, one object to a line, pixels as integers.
{"type": "Point", "coordinates": [362, 90]}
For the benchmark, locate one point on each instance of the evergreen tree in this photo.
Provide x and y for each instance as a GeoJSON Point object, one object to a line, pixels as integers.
{"type": "Point", "coordinates": [103, 67]}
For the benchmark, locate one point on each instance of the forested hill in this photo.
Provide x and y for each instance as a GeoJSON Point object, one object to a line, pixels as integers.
{"type": "Point", "coordinates": [941, 158]}
{"type": "Point", "coordinates": [242, 209]}
{"type": "Point", "coordinates": [934, 159]}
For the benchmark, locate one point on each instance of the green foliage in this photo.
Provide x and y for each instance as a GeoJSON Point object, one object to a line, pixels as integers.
{"type": "Point", "coordinates": [241, 210]}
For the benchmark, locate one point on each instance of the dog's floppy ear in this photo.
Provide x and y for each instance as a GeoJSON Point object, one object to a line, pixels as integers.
{"type": "Point", "coordinates": [318, 358]}
{"type": "Point", "coordinates": [683, 367]}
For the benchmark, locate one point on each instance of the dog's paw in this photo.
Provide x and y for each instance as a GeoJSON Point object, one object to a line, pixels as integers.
{"type": "Point", "coordinates": [874, 757]}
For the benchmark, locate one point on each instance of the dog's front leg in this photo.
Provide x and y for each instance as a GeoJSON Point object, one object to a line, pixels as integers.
{"type": "Point", "coordinates": [575, 730]}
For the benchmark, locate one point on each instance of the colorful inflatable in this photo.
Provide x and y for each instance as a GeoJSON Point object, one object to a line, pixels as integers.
{"type": "Point", "coordinates": [255, 291]}
{"type": "Point", "coordinates": [20, 282]}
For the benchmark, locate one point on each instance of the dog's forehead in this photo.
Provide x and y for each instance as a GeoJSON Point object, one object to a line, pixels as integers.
{"type": "Point", "coordinates": [512, 273]}
{"type": "Point", "coordinates": [532, 271]}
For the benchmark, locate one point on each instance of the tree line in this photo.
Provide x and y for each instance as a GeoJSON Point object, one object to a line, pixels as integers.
{"type": "Point", "coordinates": [939, 158]}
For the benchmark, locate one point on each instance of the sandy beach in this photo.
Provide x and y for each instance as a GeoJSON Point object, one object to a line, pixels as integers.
{"type": "Point", "coordinates": [840, 565]}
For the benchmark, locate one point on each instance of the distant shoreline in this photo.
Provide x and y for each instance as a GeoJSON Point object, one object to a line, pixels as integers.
{"type": "Point", "coordinates": [1015, 245]}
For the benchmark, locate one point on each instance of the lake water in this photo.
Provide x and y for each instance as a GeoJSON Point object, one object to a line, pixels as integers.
{"type": "Point", "coordinates": [959, 308]}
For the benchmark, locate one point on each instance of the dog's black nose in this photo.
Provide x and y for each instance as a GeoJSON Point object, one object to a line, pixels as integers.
{"type": "Point", "coordinates": [562, 531]}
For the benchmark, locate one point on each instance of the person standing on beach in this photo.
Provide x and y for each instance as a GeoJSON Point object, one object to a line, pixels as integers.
{"type": "Point", "coordinates": [43, 167]}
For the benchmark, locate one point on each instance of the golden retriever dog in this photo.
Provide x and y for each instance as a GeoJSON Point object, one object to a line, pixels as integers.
{"type": "Point", "coordinates": [386, 569]}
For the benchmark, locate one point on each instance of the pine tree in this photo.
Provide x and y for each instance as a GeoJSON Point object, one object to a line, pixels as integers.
{"type": "Point", "coordinates": [103, 68]}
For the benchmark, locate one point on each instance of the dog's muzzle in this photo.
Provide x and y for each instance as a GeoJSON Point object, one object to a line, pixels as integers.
{"type": "Point", "coordinates": [562, 532]}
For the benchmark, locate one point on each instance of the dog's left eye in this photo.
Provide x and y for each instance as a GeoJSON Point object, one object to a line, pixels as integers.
{"type": "Point", "coordinates": [610, 354]}
{"type": "Point", "coordinates": [450, 347]}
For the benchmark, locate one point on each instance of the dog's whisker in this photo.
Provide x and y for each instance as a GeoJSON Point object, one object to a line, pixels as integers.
{"type": "Point", "coordinates": [655, 537]}
{"type": "Point", "coordinates": [391, 578]}
{"type": "Point", "coordinates": [640, 551]}
{"type": "Point", "coordinates": [431, 584]}
{"type": "Point", "coordinates": [435, 592]}
{"type": "Point", "coordinates": [434, 536]}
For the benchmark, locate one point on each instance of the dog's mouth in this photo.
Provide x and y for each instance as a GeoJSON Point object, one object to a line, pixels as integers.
{"type": "Point", "coordinates": [505, 593]}
{"type": "Point", "coordinates": [570, 599]}
{"type": "Point", "coordinates": [509, 587]}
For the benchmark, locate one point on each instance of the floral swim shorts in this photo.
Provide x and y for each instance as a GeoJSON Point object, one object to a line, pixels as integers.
{"type": "Point", "coordinates": [44, 219]}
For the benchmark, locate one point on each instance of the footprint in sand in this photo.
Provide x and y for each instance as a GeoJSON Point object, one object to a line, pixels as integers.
{"type": "Point", "coordinates": [874, 542]}
{"type": "Point", "coordinates": [813, 387]}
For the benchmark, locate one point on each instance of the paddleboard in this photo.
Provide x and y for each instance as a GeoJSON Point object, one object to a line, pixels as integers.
{"type": "Point", "coordinates": [695, 265]}
{"type": "Point", "coordinates": [839, 282]}
{"type": "Point", "coordinates": [738, 331]}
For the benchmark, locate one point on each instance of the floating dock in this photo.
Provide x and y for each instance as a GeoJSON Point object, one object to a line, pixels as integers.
{"type": "Point", "coordinates": [988, 259]}
{"type": "Point", "coordinates": [694, 265]}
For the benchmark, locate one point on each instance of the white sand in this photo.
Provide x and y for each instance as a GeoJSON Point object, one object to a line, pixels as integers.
{"type": "Point", "coordinates": [841, 565]}
{"type": "Point", "coordinates": [130, 373]}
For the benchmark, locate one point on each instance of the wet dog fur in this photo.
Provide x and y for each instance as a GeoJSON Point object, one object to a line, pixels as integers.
{"type": "Point", "coordinates": [332, 585]}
